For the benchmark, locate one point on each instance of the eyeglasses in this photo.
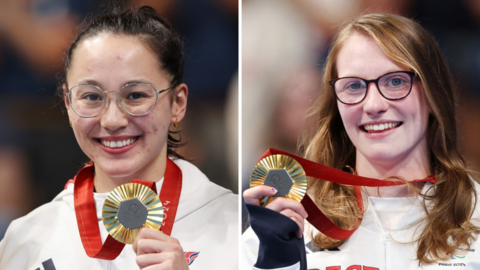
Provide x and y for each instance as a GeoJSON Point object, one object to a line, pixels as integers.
{"type": "Point", "coordinates": [392, 86]}
{"type": "Point", "coordinates": [136, 99]}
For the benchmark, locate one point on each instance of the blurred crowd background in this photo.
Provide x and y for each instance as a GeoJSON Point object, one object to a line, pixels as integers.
{"type": "Point", "coordinates": [284, 47]}
{"type": "Point", "coordinates": [38, 151]}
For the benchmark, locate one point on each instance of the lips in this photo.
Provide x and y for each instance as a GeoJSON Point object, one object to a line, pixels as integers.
{"type": "Point", "coordinates": [118, 144]}
{"type": "Point", "coordinates": [377, 128]}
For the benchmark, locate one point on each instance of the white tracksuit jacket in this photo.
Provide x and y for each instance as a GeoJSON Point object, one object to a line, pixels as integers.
{"type": "Point", "coordinates": [371, 247]}
{"type": "Point", "coordinates": [48, 237]}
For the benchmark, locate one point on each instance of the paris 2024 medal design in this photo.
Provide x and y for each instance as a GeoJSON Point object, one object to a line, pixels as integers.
{"type": "Point", "coordinates": [283, 173]}
{"type": "Point", "coordinates": [129, 208]}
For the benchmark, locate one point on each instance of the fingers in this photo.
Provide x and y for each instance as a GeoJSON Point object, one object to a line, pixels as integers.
{"type": "Point", "coordinates": [145, 246]}
{"type": "Point", "coordinates": [151, 240]}
{"type": "Point", "coordinates": [252, 195]}
{"type": "Point", "coordinates": [156, 250]}
{"type": "Point", "coordinates": [280, 204]}
{"type": "Point", "coordinates": [291, 209]}
{"type": "Point", "coordinates": [145, 260]}
{"type": "Point", "coordinates": [297, 218]}
{"type": "Point", "coordinates": [160, 259]}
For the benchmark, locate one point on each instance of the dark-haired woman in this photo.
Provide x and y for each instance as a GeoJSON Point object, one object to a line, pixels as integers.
{"type": "Point", "coordinates": [387, 110]}
{"type": "Point", "coordinates": [123, 91]}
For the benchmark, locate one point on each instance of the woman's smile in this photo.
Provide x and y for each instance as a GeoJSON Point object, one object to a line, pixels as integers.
{"type": "Point", "coordinates": [386, 132]}
{"type": "Point", "coordinates": [117, 144]}
{"type": "Point", "coordinates": [379, 127]}
{"type": "Point", "coordinates": [122, 146]}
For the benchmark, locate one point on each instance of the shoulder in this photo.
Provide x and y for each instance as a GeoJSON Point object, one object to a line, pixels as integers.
{"type": "Point", "coordinates": [199, 192]}
{"type": "Point", "coordinates": [193, 176]}
{"type": "Point", "coordinates": [476, 211]}
{"type": "Point", "coordinates": [61, 205]}
{"type": "Point", "coordinates": [29, 236]}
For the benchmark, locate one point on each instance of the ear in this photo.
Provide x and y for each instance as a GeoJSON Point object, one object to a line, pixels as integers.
{"type": "Point", "coordinates": [179, 105]}
{"type": "Point", "coordinates": [65, 99]}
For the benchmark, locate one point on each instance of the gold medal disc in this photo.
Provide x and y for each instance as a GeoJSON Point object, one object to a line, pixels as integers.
{"type": "Point", "coordinates": [283, 173]}
{"type": "Point", "coordinates": [129, 208]}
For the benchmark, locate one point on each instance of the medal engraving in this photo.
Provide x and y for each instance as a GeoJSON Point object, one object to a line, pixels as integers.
{"type": "Point", "coordinates": [283, 173]}
{"type": "Point", "coordinates": [128, 209]}
{"type": "Point", "coordinates": [132, 214]}
{"type": "Point", "coordinates": [280, 180]}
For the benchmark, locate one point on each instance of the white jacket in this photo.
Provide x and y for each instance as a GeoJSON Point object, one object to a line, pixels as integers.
{"type": "Point", "coordinates": [371, 247]}
{"type": "Point", "coordinates": [48, 237]}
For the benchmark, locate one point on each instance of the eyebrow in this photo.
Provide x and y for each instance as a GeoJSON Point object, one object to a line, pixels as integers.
{"type": "Point", "coordinates": [389, 71]}
{"type": "Point", "coordinates": [96, 83]}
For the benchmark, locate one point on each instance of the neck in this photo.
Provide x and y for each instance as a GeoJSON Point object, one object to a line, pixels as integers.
{"type": "Point", "coordinates": [411, 167]}
{"type": "Point", "coordinates": [154, 172]}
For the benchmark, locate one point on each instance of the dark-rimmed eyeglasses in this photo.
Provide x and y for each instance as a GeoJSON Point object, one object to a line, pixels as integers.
{"type": "Point", "coordinates": [392, 86]}
{"type": "Point", "coordinates": [136, 99]}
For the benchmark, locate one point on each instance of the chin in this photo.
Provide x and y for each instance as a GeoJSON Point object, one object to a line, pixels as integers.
{"type": "Point", "coordinates": [381, 155]}
{"type": "Point", "coordinates": [118, 168]}
{"type": "Point", "coordinates": [117, 172]}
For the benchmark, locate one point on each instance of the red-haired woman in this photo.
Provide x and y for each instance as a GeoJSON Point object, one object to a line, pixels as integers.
{"type": "Point", "coordinates": [387, 109]}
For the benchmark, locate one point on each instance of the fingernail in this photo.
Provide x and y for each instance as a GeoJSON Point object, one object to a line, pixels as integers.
{"type": "Point", "coordinates": [274, 190]}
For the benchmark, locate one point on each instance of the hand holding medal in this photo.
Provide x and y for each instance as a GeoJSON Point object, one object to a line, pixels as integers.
{"type": "Point", "coordinates": [284, 174]}
{"type": "Point", "coordinates": [127, 209]}
{"type": "Point", "coordinates": [133, 214]}
{"type": "Point", "coordinates": [279, 183]}
{"type": "Point", "coordinates": [153, 247]}
{"type": "Point", "coordinates": [274, 159]}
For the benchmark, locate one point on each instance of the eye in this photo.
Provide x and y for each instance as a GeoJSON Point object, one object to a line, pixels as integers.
{"type": "Point", "coordinates": [354, 86]}
{"type": "Point", "coordinates": [135, 95]}
{"type": "Point", "coordinates": [92, 97]}
{"type": "Point", "coordinates": [396, 81]}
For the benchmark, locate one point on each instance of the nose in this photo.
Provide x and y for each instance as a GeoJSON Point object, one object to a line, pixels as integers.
{"type": "Point", "coordinates": [113, 117]}
{"type": "Point", "coordinates": [374, 103]}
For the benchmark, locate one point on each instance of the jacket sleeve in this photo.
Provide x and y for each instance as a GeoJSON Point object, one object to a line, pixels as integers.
{"type": "Point", "coordinates": [279, 247]}
{"type": "Point", "coordinates": [11, 256]}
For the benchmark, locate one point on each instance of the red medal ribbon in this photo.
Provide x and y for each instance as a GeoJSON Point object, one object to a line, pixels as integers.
{"type": "Point", "coordinates": [87, 216]}
{"type": "Point", "coordinates": [315, 216]}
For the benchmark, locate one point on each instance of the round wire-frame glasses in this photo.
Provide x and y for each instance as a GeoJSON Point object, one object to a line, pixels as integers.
{"type": "Point", "coordinates": [94, 98]}
{"type": "Point", "coordinates": [353, 90]}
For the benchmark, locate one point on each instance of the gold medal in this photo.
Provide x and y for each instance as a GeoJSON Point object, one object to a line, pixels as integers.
{"type": "Point", "coordinates": [129, 208]}
{"type": "Point", "coordinates": [283, 173]}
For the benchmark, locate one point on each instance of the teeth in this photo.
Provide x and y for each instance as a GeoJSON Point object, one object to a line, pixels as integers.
{"type": "Point", "coordinates": [381, 127]}
{"type": "Point", "coordinates": [117, 144]}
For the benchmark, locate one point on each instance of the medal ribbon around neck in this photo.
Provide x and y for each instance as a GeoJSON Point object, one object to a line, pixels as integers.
{"type": "Point", "coordinates": [86, 213]}
{"type": "Point", "coordinates": [315, 216]}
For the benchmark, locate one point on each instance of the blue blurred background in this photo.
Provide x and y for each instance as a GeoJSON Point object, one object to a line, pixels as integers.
{"type": "Point", "coordinates": [38, 151]}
